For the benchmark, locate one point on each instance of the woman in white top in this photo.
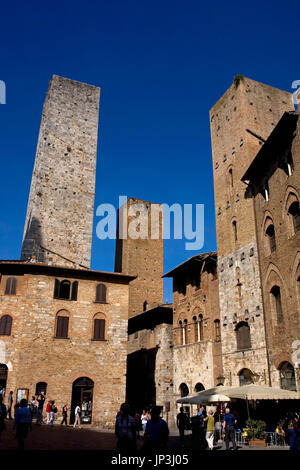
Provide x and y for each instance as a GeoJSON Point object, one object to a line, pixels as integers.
{"type": "Point", "coordinates": [144, 419]}
{"type": "Point", "coordinates": [77, 416]}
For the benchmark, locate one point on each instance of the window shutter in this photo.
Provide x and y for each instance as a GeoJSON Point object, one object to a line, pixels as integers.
{"type": "Point", "coordinates": [99, 329]}
{"type": "Point", "coordinates": [101, 293]}
{"type": "Point", "coordinates": [5, 325]}
{"type": "Point", "coordinates": [62, 327]}
{"type": "Point", "coordinates": [11, 284]}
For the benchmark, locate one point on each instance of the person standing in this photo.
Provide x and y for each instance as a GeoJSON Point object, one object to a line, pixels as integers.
{"type": "Point", "coordinates": [39, 415]}
{"type": "Point", "coordinates": [53, 410]}
{"type": "Point", "coordinates": [210, 429]}
{"type": "Point", "coordinates": [48, 409]}
{"type": "Point", "coordinates": [125, 430]}
{"type": "Point", "coordinates": [144, 419]}
{"type": "Point", "coordinates": [181, 424]}
{"type": "Point", "coordinates": [77, 416]}
{"type": "Point", "coordinates": [10, 401]}
{"type": "Point", "coordinates": [228, 427]}
{"type": "Point", "coordinates": [3, 413]}
{"type": "Point", "coordinates": [157, 432]}
{"type": "Point", "coordinates": [64, 415]}
{"type": "Point", "coordinates": [22, 423]}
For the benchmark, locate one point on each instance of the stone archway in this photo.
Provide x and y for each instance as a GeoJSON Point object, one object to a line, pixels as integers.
{"type": "Point", "coordinates": [82, 395]}
{"type": "Point", "coordinates": [3, 375]}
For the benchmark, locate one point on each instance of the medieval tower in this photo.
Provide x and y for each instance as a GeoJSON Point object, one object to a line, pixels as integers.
{"type": "Point", "coordinates": [59, 220]}
{"type": "Point", "coordinates": [139, 252]}
{"type": "Point", "coordinates": [240, 122]}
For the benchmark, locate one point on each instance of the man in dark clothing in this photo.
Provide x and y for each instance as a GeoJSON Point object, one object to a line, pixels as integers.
{"type": "Point", "coordinates": [39, 416]}
{"type": "Point", "coordinates": [10, 404]}
{"type": "Point", "coordinates": [3, 413]}
{"type": "Point", "coordinates": [181, 424]}
{"type": "Point", "coordinates": [228, 427]}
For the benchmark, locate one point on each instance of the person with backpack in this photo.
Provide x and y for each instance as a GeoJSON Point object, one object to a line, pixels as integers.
{"type": "Point", "coordinates": [181, 420]}
{"type": "Point", "coordinates": [125, 430]}
{"type": "Point", "coordinates": [53, 410]}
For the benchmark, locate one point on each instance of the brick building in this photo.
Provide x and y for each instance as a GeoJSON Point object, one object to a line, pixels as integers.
{"type": "Point", "coordinates": [273, 181]}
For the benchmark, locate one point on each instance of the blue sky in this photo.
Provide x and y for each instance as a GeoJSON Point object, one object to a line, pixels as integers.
{"type": "Point", "coordinates": [161, 66]}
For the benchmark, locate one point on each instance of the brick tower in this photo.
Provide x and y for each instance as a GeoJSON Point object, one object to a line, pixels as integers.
{"type": "Point", "coordinates": [141, 257]}
{"type": "Point", "coordinates": [240, 122]}
{"type": "Point", "coordinates": [59, 220]}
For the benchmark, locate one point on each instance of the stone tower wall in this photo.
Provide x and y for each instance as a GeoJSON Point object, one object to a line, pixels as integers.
{"type": "Point", "coordinates": [141, 257]}
{"type": "Point", "coordinates": [59, 220]}
{"type": "Point", "coordinates": [246, 106]}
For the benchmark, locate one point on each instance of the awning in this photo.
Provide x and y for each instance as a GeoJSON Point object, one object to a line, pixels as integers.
{"type": "Point", "coordinates": [245, 392]}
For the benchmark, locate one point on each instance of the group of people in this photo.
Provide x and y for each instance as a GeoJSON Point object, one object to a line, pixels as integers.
{"type": "Point", "coordinates": [208, 428]}
{"type": "Point", "coordinates": [155, 430]}
{"type": "Point", "coordinates": [288, 431]}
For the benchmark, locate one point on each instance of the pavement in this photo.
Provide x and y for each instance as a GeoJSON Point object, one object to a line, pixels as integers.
{"type": "Point", "coordinates": [88, 438]}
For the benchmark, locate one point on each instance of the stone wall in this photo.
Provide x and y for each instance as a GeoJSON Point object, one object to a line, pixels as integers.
{"type": "Point", "coordinates": [61, 201]}
{"type": "Point", "coordinates": [33, 354]}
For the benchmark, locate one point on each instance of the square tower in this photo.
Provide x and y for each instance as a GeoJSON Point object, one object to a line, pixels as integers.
{"type": "Point", "coordinates": [240, 122]}
{"type": "Point", "coordinates": [139, 252]}
{"type": "Point", "coordinates": [59, 221]}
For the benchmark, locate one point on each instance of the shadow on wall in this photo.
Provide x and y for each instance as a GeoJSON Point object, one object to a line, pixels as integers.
{"type": "Point", "coordinates": [32, 242]}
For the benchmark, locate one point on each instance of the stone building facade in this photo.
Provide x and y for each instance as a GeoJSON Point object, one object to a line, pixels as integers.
{"type": "Point", "coordinates": [69, 342]}
{"type": "Point", "coordinates": [59, 220]}
{"type": "Point", "coordinates": [273, 181]}
{"type": "Point", "coordinates": [197, 355]}
{"type": "Point", "coordinates": [240, 122]}
{"type": "Point", "coordinates": [139, 252]}
{"type": "Point", "coordinates": [150, 360]}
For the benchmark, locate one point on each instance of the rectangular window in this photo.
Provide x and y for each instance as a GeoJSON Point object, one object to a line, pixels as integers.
{"type": "Point", "coordinates": [62, 327]}
{"type": "Point", "coordinates": [99, 329]}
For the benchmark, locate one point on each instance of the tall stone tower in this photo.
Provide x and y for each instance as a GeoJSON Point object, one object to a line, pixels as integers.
{"type": "Point", "coordinates": [240, 122]}
{"type": "Point", "coordinates": [59, 220]}
{"type": "Point", "coordinates": [142, 256]}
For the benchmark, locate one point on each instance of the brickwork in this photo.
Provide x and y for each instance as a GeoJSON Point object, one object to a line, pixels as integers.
{"type": "Point", "coordinates": [281, 266]}
{"type": "Point", "coordinates": [61, 201]}
{"type": "Point", "coordinates": [33, 354]}
{"type": "Point", "coordinates": [141, 257]}
{"type": "Point", "coordinates": [240, 121]}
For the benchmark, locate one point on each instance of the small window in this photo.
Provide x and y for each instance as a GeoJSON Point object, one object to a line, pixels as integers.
{"type": "Point", "coordinates": [99, 329]}
{"type": "Point", "coordinates": [62, 326]}
{"type": "Point", "coordinates": [270, 233]}
{"type": "Point", "coordinates": [11, 286]}
{"type": "Point", "coordinates": [101, 293]}
{"type": "Point", "coordinates": [234, 226]}
{"type": "Point", "coordinates": [217, 331]}
{"type": "Point", "coordinates": [65, 290]}
{"type": "Point", "coordinates": [5, 325]}
{"type": "Point", "coordinates": [295, 214]}
{"type": "Point", "coordinates": [243, 338]}
{"type": "Point", "coordinates": [277, 305]}
{"type": "Point", "coordinates": [230, 178]}
{"type": "Point", "coordinates": [41, 387]}
{"type": "Point", "coordinates": [145, 306]}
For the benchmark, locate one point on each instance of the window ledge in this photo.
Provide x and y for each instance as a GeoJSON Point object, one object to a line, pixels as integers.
{"type": "Point", "coordinates": [99, 302]}
{"type": "Point", "coordinates": [68, 300]}
{"type": "Point", "coordinates": [59, 337]}
{"type": "Point", "coordinates": [101, 340]}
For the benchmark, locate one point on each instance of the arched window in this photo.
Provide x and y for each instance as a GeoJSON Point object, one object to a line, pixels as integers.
{"type": "Point", "coordinates": [11, 286]}
{"type": "Point", "coordinates": [270, 234]}
{"type": "Point", "coordinates": [276, 303]}
{"type": "Point", "coordinates": [200, 328]}
{"type": "Point", "coordinates": [99, 327]}
{"type": "Point", "coordinates": [230, 177]}
{"type": "Point", "coordinates": [246, 377]}
{"type": "Point", "coordinates": [184, 332]}
{"type": "Point", "coordinates": [101, 293]}
{"type": "Point", "coordinates": [199, 387]}
{"type": "Point", "coordinates": [243, 337]}
{"type": "Point", "coordinates": [184, 390]}
{"type": "Point", "coordinates": [294, 213]}
{"type": "Point", "coordinates": [65, 290]}
{"type": "Point", "coordinates": [234, 227]}
{"type": "Point", "coordinates": [62, 324]}
{"type": "Point", "coordinates": [5, 325]}
{"type": "Point", "coordinates": [217, 330]}
{"type": "Point", "coordinates": [41, 387]}
{"type": "Point", "coordinates": [287, 376]}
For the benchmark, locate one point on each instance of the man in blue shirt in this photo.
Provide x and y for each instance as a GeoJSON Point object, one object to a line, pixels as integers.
{"type": "Point", "coordinates": [228, 427]}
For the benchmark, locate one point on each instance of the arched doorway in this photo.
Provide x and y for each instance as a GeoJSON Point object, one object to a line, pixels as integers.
{"type": "Point", "coordinates": [3, 376]}
{"type": "Point", "coordinates": [287, 376]}
{"type": "Point", "coordinates": [82, 395]}
{"type": "Point", "coordinates": [246, 377]}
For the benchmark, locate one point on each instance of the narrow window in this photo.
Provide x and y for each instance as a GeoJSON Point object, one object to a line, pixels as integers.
{"type": "Point", "coordinates": [277, 305]}
{"type": "Point", "coordinates": [231, 178]}
{"type": "Point", "coordinates": [64, 291]}
{"type": "Point", "coordinates": [11, 286]}
{"type": "Point", "coordinates": [295, 214]}
{"type": "Point", "coordinates": [270, 232]}
{"type": "Point", "coordinates": [243, 338]}
{"type": "Point", "coordinates": [217, 331]}
{"type": "Point", "coordinates": [234, 226]}
{"type": "Point", "coordinates": [101, 293]}
{"type": "Point", "coordinates": [62, 326]}
{"type": "Point", "coordinates": [5, 325]}
{"type": "Point", "coordinates": [74, 290]}
{"type": "Point", "coordinates": [200, 327]}
{"type": "Point", "coordinates": [99, 329]}
{"type": "Point", "coordinates": [145, 306]}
